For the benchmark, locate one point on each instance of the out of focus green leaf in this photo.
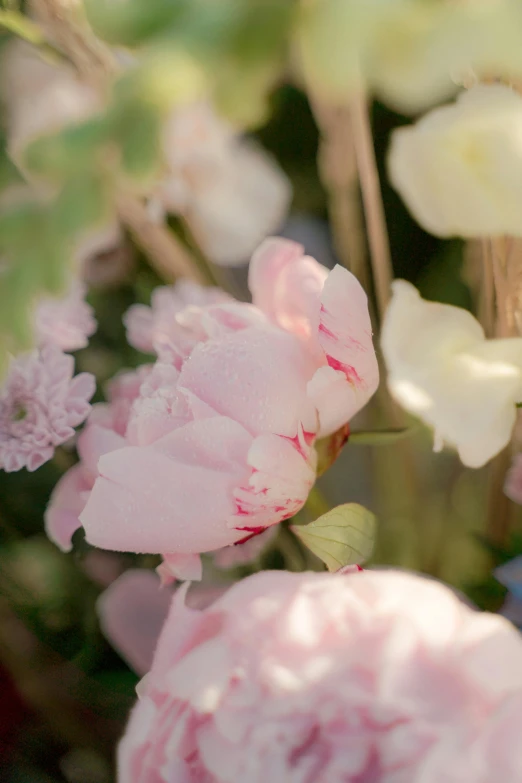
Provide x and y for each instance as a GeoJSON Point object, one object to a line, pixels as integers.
{"type": "Point", "coordinates": [379, 437]}
{"type": "Point", "coordinates": [70, 151]}
{"type": "Point", "coordinates": [134, 21]}
{"type": "Point", "coordinates": [341, 537]}
{"type": "Point", "coordinates": [21, 26]}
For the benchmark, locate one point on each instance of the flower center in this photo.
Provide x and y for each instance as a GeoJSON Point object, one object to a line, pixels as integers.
{"type": "Point", "coordinates": [19, 412]}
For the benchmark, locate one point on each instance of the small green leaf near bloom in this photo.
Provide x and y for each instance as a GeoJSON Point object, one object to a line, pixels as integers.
{"type": "Point", "coordinates": [341, 537]}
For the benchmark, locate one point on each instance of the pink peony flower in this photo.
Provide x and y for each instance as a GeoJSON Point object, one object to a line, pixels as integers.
{"type": "Point", "coordinates": [326, 678]}
{"type": "Point", "coordinates": [220, 440]}
{"type": "Point", "coordinates": [217, 451]}
{"type": "Point", "coordinates": [66, 322]}
{"type": "Point", "coordinates": [40, 404]}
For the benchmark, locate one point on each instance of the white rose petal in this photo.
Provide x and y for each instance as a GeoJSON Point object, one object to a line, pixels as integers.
{"type": "Point", "coordinates": [442, 369]}
{"type": "Point", "coordinates": [459, 169]}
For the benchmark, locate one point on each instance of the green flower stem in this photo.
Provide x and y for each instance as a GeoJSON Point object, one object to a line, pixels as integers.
{"type": "Point", "coordinates": [290, 548]}
{"type": "Point", "coordinates": [316, 504]}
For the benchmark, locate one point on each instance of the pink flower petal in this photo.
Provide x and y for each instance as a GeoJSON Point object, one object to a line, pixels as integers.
{"type": "Point", "coordinates": [93, 442]}
{"type": "Point", "coordinates": [262, 380]}
{"type": "Point", "coordinates": [132, 612]}
{"type": "Point", "coordinates": [65, 506]}
{"type": "Point", "coordinates": [242, 553]}
{"type": "Point", "coordinates": [184, 483]}
{"type": "Point", "coordinates": [180, 566]}
{"type": "Point", "coordinates": [279, 485]}
{"type": "Point", "coordinates": [345, 335]}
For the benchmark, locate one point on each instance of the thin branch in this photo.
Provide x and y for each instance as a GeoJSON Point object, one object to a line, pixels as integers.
{"type": "Point", "coordinates": [498, 258]}
{"type": "Point", "coordinates": [166, 253]}
{"type": "Point", "coordinates": [338, 171]}
{"type": "Point", "coordinates": [372, 199]}
{"type": "Point", "coordinates": [500, 508]}
{"type": "Point", "coordinates": [487, 304]}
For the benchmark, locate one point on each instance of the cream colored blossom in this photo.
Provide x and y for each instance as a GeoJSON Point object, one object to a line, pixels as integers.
{"type": "Point", "coordinates": [459, 169]}
{"type": "Point", "coordinates": [442, 369]}
{"type": "Point", "coordinates": [410, 53]}
{"type": "Point", "coordinates": [230, 191]}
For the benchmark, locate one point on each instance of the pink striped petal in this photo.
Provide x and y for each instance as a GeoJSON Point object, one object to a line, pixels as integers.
{"type": "Point", "coordinates": [345, 335]}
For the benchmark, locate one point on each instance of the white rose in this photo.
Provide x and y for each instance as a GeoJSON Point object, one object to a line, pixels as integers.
{"type": "Point", "coordinates": [459, 169]}
{"type": "Point", "coordinates": [442, 369]}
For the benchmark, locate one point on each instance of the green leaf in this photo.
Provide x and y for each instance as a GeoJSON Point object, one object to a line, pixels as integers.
{"type": "Point", "coordinates": [379, 437]}
{"type": "Point", "coordinates": [68, 152]}
{"type": "Point", "coordinates": [134, 21]}
{"type": "Point", "coordinates": [21, 26]}
{"type": "Point", "coordinates": [341, 537]}
{"type": "Point", "coordinates": [140, 147]}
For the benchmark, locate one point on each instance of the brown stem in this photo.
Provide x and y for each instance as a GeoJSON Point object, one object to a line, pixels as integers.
{"type": "Point", "coordinates": [498, 259]}
{"type": "Point", "coordinates": [500, 508]}
{"type": "Point", "coordinates": [487, 303]}
{"type": "Point", "coordinates": [70, 31]}
{"type": "Point", "coordinates": [166, 253]}
{"type": "Point", "coordinates": [338, 171]}
{"type": "Point", "coordinates": [372, 200]}
{"type": "Point", "coordinates": [97, 65]}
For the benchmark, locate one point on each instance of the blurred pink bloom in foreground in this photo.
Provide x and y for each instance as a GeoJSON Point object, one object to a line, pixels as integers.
{"type": "Point", "coordinates": [40, 404]}
{"type": "Point", "coordinates": [320, 678]}
{"type": "Point", "coordinates": [219, 443]}
{"type": "Point", "coordinates": [67, 321]}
